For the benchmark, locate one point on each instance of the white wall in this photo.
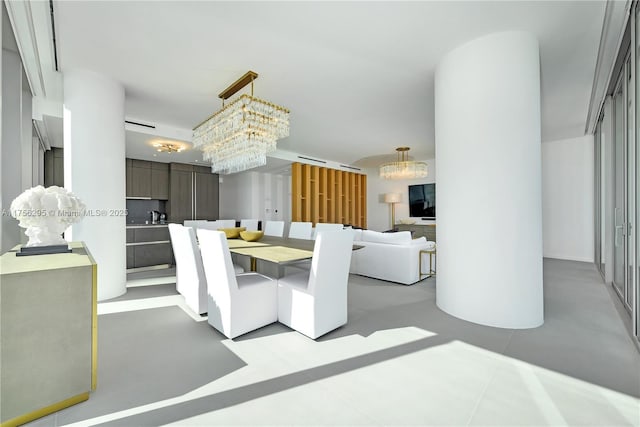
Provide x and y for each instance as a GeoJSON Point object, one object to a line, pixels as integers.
{"type": "Point", "coordinates": [236, 197]}
{"type": "Point", "coordinates": [255, 195]}
{"type": "Point", "coordinates": [14, 109]}
{"type": "Point", "coordinates": [567, 199]}
{"type": "Point", "coordinates": [378, 213]}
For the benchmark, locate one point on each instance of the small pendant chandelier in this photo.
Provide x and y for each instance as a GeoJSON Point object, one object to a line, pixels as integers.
{"type": "Point", "coordinates": [403, 168]}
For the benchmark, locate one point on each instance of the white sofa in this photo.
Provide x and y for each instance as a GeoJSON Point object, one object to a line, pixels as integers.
{"type": "Point", "coordinates": [390, 256]}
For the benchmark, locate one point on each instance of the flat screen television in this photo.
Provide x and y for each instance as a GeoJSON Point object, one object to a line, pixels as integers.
{"type": "Point", "coordinates": [422, 201]}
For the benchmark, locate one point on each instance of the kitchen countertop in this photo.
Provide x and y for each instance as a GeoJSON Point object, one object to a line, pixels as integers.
{"type": "Point", "coordinates": [142, 225]}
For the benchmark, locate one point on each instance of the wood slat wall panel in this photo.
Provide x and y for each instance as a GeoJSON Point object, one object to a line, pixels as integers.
{"type": "Point", "coordinates": [296, 192]}
{"type": "Point", "coordinates": [327, 195]}
{"type": "Point", "coordinates": [315, 194]}
{"type": "Point", "coordinates": [340, 197]}
{"type": "Point", "coordinates": [306, 192]}
{"type": "Point", "coordinates": [358, 203]}
{"type": "Point", "coordinates": [353, 200]}
{"type": "Point", "coordinates": [331, 196]}
{"type": "Point", "coordinates": [323, 195]}
{"type": "Point", "coordinates": [345, 197]}
{"type": "Point", "coordinates": [363, 201]}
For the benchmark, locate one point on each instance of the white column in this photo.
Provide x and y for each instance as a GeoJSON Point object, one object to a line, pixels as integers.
{"type": "Point", "coordinates": [94, 170]}
{"type": "Point", "coordinates": [488, 152]}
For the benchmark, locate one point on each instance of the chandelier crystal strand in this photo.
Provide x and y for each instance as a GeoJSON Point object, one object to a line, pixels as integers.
{"type": "Point", "coordinates": [240, 136]}
{"type": "Point", "coordinates": [403, 168]}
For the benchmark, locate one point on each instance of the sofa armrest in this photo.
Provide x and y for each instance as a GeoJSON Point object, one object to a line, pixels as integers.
{"type": "Point", "coordinates": [396, 263]}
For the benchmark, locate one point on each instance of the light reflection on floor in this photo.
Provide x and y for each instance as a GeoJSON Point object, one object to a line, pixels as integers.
{"type": "Point", "coordinates": [450, 383]}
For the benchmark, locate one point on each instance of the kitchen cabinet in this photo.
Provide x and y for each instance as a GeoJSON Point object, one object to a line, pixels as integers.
{"type": "Point", "coordinates": [159, 181]}
{"type": "Point", "coordinates": [147, 179]}
{"type": "Point", "coordinates": [152, 254]}
{"type": "Point", "coordinates": [148, 245]}
{"type": "Point", "coordinates": [180, 204]}
{"type": "Point", "coordinates": [206, 197]}
{"type": "Point", "coordinates": [138, 178]}
{"type": "Point", "coordinates": [127, 176]}
{"type": "Point", "coordinates": [193, 193]}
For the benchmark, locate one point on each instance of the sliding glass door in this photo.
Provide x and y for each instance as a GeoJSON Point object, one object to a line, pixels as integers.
{"type": "Point", "coordinates": [619, 208]}
{"type": "Point", "coordinates": [616, 183]}
{"type": "Point", "coordinates": [599, 200]}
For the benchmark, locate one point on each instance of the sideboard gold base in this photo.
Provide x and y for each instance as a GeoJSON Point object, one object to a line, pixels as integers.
{"type": "Point", "coordinates": [23, 419]}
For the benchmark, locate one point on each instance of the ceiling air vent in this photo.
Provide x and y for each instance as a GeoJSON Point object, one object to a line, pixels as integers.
{"type": "Point", "coordinates": [140, 124]}
{"type": "Point", "coordinates": [313, 160]}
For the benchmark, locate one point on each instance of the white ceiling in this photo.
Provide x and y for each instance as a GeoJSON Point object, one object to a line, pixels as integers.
{"type": "Point", "coordinates": [357, 76]}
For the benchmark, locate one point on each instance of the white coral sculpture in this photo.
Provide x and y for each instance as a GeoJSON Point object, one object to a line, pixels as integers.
{"type": "Point", "coordinates": [46, 213]}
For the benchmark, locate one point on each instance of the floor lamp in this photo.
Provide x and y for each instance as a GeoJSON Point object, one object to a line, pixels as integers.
{"type": "Point", "coordinates": [392, 199]}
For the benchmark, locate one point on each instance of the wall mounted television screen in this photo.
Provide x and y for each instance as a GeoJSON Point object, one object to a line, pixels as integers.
{"type": "Point", "coordinates": [422, 201]}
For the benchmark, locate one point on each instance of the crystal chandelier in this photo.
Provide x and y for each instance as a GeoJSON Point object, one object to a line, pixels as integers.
{"type": "Point", "coordinates": [403, 168]}
{"type": "Point", "coordinates": [242, 133]}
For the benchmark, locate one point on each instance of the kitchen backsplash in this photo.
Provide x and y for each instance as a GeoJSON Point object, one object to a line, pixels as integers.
{"type": "Point", "coordinates": [138, 210]}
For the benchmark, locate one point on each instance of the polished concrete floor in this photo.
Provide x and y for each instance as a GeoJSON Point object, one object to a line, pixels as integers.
{"type": "Point", "coordinates": [399, 361]}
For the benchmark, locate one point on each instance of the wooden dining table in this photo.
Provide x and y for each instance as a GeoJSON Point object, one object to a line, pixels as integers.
{"type": "Point", "coordinates": [281, 251]}
{"type": "Point", "coordinates": [278, 250]}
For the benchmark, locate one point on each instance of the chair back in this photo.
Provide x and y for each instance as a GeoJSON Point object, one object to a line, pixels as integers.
{"type": "Point", "coordinates": [190, 278]}
{"type": "Point", "coordinates": [274, 228]}
{"type": "Point", "coordinates": [322, 226]}
{"type": "Point", "coordinates": [300, 230]}
{"type": "Point", "coordinates": [221, 279]}
{"type": "Point", "coordinates": [194, 223]}
{"type": "Point", "coordinates": [330, 264]}
{"type": "Point", "coordinates": [249, 224]}
{"type": "Point", "coordinates": [210, 225]}
{"type": "Point", "coordinates": [226, 223]}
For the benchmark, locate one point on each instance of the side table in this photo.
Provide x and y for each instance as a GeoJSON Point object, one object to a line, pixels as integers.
{"type": "Point", "coordinates": [432, 263]}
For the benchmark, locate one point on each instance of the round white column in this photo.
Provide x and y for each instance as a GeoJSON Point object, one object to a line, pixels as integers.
{"type": "Point", "coordinates": [488, 152]}
{"type": "Point", "coordinates": [94, 170]}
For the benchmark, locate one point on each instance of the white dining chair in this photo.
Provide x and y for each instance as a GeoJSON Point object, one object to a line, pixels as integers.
{"type": "Point", "coordinates": [274, 228]}
{"type": "Point", "coordinates": [190, 279]}
{"type": "Point", "coordinates": [314, 302]}
{"type": "Point", "coordinates": [300, 230]}
{"type": "Point", "coordinates": [194, 223]}
{"type": "Point", "coordinates": [226, 223]}
{"type": "Point", "coordinates": [236, 304]}
{"type": "Point", "coordinates": [210, 225]}
{"type": "Point", "coordinates": [322, 226]}
{"type": "Point", "coordinates": [249, 224]}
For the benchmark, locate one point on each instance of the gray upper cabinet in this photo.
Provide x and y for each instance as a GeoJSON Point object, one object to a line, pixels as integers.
{"type": "Point", "coordinates": [128, 176]}
{"type": "Point", "coordinates": [140, 179]}
{"type": "Point", "coordinates": [193, 193]}
{"type": "Point", "coordinates": [147, 179]}
{"type": "Point", "coordinates": [159, 181]}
